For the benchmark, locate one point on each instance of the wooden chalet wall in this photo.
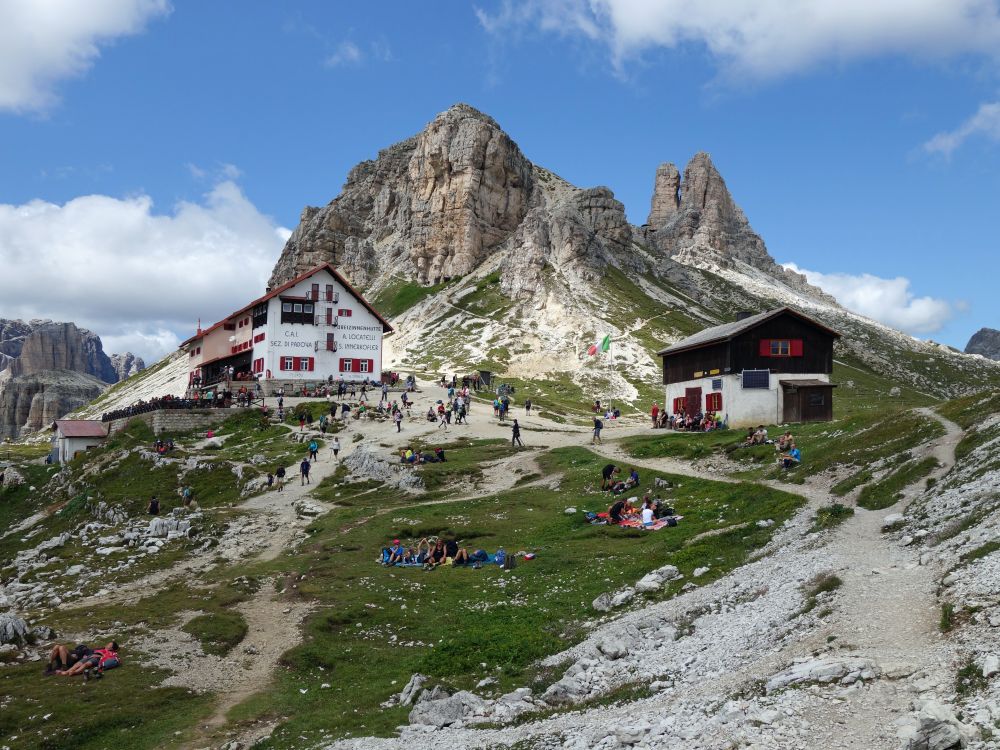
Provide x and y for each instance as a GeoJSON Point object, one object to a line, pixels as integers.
{"type": "Point", "coordinates": [682, 366]}
{"type": "Point", "coordinates": [817, 347]}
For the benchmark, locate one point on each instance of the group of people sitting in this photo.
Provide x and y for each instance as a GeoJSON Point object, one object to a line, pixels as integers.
{"type": "Point", "coordinates": [648, 512]}
{"type": "Point", "coordinates": [90, 662]}
{"type": "Point", "coordinates": [611, 481]}
{"type": "Point", "coordinates": [162, 447]}
{"type": "Point", "coordinates": [432, 552]}
{"type": "Point", "coordinates": [415, 457]}
{"type": "Point", "coordinates": [789, 454]}
{"type": "Point", "coordinates": [758, 436]}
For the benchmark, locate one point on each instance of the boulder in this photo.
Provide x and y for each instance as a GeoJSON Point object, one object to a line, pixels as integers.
{"type": "Point", "coordinates": [932, 726]}
{"type": "Point", "coordinates": [612, 649]}
{"type": "Point", "coordinates": [991, 665]}
{"type": "Point", "coordinates": [12, 477]}
{"type": "Point", "coordinates": [844, 671]}
{"type": "Point", "coordinates": [892, 520]}
{"type": "Point", "coordinates": [13, 629]}
{"type": "Point", "coordinates": [602, 603]}
{"type": "Point", "coordinates": [447, 711]}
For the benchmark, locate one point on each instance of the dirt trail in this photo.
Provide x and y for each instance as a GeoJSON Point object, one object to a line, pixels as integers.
{"type": "Point", "coordinates": [887, 610]}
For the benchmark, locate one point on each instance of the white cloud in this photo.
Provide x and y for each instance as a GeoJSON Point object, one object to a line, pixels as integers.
{"type": "Point", "coordinates": [347, 53]}
{"type": "Point", "coordinates": [45, 41]}
{"type": "Point", "coordinates": [766, 38]}
{"type": "Point", "coordinates": [137, 278]}
{"type": "Point", "coordinates": [890, 301]}
{"type": "Point", "coordinates": [985, 122]}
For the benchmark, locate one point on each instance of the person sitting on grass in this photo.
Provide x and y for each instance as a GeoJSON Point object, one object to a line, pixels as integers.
{"type": "Point", "coordinates": [647, 513]}
{"type": "Point", "coordinates": [457, 555]}
{"type": "Point", "coordinates": [784, 442]}
{"type": "Point", "coordinates": [436, 556]}
{"type": "Point", "coordinates": [100, 658]}
{"type": "Point", "coordinates": [396, 553]}
{"type": "Point", "coordinates": [790, 459]}
{"type": "Point", "coordinates": [633, 479]}
{"type": "Point", "coordinates": [616, 513]}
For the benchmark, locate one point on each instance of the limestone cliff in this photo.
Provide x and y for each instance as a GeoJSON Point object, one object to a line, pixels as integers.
{"type": "Point", "coordinates": [63, 346]}
{"type": "Point", "coordinates": [30, 402]}
{"type": "Point", "coordinates": [985, 341]}
{"type": "Point", "coordinates": [126, 365]}
{"type": "Point", "coordinates": [431, 207]}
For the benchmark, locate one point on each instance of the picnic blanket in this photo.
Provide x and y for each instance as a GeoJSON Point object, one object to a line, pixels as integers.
{"type": "Point", "coordinates": [634, 522]}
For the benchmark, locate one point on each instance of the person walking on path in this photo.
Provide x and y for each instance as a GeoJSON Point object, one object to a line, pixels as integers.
{"type": "Point", "coordinates": [598, 426]}
{"type": "Point", "coordinates": [335, 448]}
{"type": "Point", "coordinates": [385, 392]}
{"type": "Point", "coordinates": [304, 471]}
{"type": "Point", "coordinates": [313, 450]}
{"type": "Point", "coordinates": [280, 474]}
{"type": "Point", "coordinates": [398, 418]}
{"type": "Point", "coordinates": [515, 434]}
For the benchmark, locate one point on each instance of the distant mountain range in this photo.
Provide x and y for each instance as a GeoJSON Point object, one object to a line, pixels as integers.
{"type": "Point", "coordinates": [985, 341]}
{"type": "Point", "coordinates": [47, 369]}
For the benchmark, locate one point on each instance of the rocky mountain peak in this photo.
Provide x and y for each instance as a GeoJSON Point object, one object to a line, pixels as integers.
{"type": "Point", "coordinates": [63, 346]}
{"type": "Point", "coordinates": [985, 341]}
{"type": "Point", "coordinates": [666, 195]}
{"type": "Point", "coordinates": [126, 365]}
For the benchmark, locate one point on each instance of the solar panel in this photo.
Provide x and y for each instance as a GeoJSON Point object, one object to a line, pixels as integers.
{"type": "Point", "coordinates": [756, 378]}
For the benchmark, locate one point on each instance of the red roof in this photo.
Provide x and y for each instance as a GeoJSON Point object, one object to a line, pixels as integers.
{"type": "Point", "coordinates": [78, 428]}
{"type": "Point", "coordinates": [386, 328]}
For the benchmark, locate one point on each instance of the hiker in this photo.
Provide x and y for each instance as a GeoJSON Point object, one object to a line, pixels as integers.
{"type": "Point", "coordinates": [153, 508]}
{"type": "Point", "coordinates": [335, 448]}
{"type": "Point", "coordinates": [655, 413]}
{"type": "Point", "coordinates": [442, 424]}
{"type": "Point", "coordinates": [61, 658]}
{"type": "Point", "coordinates": [398, 418]}
{"type": "Point", "coordinates": [515, 435]}
{"type": "Point", "coordinates": [527, 408]}
{"type": "Point", "coordinates": [187, 495]}
{"type": "Point", "coordinates": [633, 479]}
{"type": "Point", "coordinates": [790, 459]}
{"type": "Point", "coordinates": [616, 513]}
{"type": "Point", "coordinates": [313, 450]}
{"type": "Point", "coordinates": [647, 513]}
{"type": "Point", "coordinates": [304, 471]}
{"type": "Point", "coordinates": [395, 553]}
{"type": "Point", "coordinates": [322, 423]}
{"type": "Point", "coordinates": [385, 392]}
{"type": "Point", "coordinates": [101, 658]}
{"type": "Point", "coordinates": [607, 476]}
{"type": "Point", "coordinates": [270, 480]}
{"type": "Point", "coordinates": [280, 474]}
{"type": "Point", "coordinates": [598, 426]}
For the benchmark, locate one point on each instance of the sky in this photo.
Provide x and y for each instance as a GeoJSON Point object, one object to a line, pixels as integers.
{"type": "Point", "coordinates": [155, 155]}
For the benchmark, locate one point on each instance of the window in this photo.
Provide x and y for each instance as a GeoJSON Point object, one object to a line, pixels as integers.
{"type": "Point", "coordinates": [679, 405]}
{"type": "Point", "coordinates": [297, 307]}
{"type": "Point", "coordinates": [780, 347]}
{"type": "Point", "coordinates": [817, 399]}
{"type": "Point", "coordinates": [304, 363]}
{"type": "Point", "coordinates": [713, 402]}
{"type": "Point", "coordinates": [258, 365]}
{"type": "Point", "coordinates": [229, 326]}
{"type": "Point", "coordinates": [286, 307]}
{"type": "Point", "coordinates": [344, 313]}
{"type": "Point", "coordinates": [363, 365]}
{"type": "Point", "coordinates": [258, 338]}
{"type": "Point", "coordinates": [307, 308]}
{"type": "Point", "coordinates": [756, 378]}
{"type": "Point", "coordinates": [287, 363]}
{"type": "Point", "coordinates": [345, 365]}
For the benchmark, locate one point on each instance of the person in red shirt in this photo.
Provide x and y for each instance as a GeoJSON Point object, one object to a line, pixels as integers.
{"type": "Point", "coordinates": [655, 413]}
{"type": "Point", "coordinates": [99, 658]}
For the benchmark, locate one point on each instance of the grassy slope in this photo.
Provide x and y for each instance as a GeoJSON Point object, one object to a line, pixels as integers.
{"type": "Point", "coordinates": [376, 627]}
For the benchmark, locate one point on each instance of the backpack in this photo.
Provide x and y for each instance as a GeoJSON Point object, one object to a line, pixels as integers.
{"type": "Point", "coordinates": [500, 558]}
{"type": "Point", "coordinates": [598, 424]}
{"type": "Point", "coordinates": [671, 521]}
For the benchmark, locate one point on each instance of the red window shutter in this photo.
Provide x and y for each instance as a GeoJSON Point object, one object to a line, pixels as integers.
{"type": "Point", "coordinates": [341, 366]}
{"type": "Point", "coordinates": [329, 292]}
{"type": "Point", "coordinates": [329, 316]}
{"type": "Point", "coordinates": [329, 342]}
{"type": "Point", "coordinates": [795, 348]}
{"type": "Point", "coordinates": [371, 365]}
{"type": "Point", "coordinates": [765, 347]}
{"type": "Point", "coordinates": [312, 363]}
{"type": "Point", "coordinates": [315, 291]}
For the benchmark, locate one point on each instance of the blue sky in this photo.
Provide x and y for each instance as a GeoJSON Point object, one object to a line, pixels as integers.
{"type": "Point", "coordinates": [155, 155]}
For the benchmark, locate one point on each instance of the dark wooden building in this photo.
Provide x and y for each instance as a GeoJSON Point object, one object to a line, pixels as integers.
{"type": "Point", "coordinates": [761, 369]}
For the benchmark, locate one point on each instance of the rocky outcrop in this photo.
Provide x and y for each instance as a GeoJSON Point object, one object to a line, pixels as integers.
{"type": "Point", "coordinates": [576, 237]}
{"type": "Point", "coordinates": [12, 336]}
{"type": "Point", "coordinates": [985, 341]}
{"type": "Point", "coordinates": [63, 346]}
{"type": "Point", "coordinates": [697, 222]}
{"type": "Point", "coordinates": [126, 365]}
{"type": "Point", "coordinates": [30, 402]}
{"type": "Point", "coordinates": [431, 207]}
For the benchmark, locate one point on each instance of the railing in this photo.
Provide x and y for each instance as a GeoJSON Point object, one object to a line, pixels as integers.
{"type": "Point", "coordinates": [323, 345]}
{"type": "Point", "coordinates": [320, 320]}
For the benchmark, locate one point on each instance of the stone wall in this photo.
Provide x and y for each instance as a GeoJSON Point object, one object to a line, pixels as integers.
{"type": "Point", "coordinates": [174, 420]}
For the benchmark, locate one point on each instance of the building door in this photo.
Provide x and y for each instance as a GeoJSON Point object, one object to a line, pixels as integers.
{"type": "Point", "coordinates": [692, 397]}
{"type": "Point", "coordinates": [791, 408]}
{"type": "Point", "coordinates": [816, 404]}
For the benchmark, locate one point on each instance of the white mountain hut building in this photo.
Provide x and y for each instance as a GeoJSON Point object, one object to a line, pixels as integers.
{"type": "Point", "coordinates": [300, 333]}
{"type": "Point", "coordinates": [770, 368]}
{"type": "Point", "coordinates": [73, 436]}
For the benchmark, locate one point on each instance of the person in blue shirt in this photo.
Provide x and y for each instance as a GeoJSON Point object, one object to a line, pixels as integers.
{"type": "Point", "coordinates": [790, 459]}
